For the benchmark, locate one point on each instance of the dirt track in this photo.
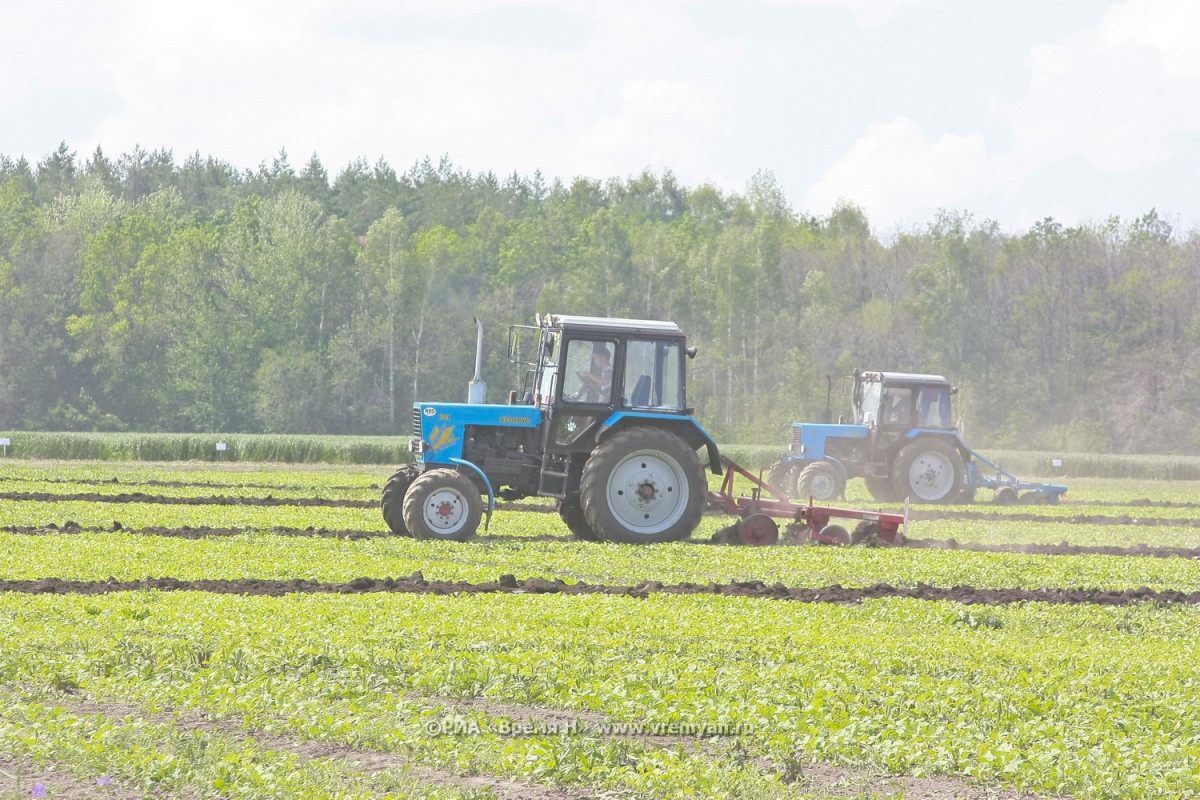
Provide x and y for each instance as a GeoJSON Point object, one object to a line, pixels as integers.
{"type": "Point", "coordinates": [507, 584]}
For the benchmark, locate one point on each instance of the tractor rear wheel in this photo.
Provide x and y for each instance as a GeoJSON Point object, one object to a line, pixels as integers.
{"type": "Point", "coordinates": [782, 476]}
{"type": "Point", "coordinates": [443, 504]}
{"type": "Point", "coordinates": [881, 489]}
{"type": "Point", "coordinates": [821, 481]}
{"type": "Point", "coordinates": [928, 471]}
{"type": "Point", "coordinates": [392, 502]}
{"type": "Point", "coordinates": [570, 511]}
{"type": "Point", "coordinates": [643, 485]}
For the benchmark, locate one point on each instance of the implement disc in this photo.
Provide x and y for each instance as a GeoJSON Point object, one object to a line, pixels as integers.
{"type": "Point", "coordinates": [758, 529]}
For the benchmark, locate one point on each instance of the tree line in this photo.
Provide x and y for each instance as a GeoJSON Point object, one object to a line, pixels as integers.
{"type": "Point", "coordinates": [144, 294]}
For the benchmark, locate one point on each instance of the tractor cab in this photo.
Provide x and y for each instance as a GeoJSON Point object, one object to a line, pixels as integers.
{"type": "Point", "coordinates": [900, 402]}
{"type": "Point", "coordinates": [591, 372]}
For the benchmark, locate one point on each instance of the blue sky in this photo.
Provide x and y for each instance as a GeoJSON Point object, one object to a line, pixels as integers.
{"type": "Point", "coordinates": [1013, 111]}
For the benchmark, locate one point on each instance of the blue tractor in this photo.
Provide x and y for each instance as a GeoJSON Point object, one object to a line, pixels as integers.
{"type": "Point", "coordinates": [903, 442]}
{"type": "Point", "coordinates": [601, 425]}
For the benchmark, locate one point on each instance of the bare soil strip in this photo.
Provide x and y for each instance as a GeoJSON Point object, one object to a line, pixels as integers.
{"type": "Point", "coordinates": [22, 777]}
{"type": "Point", "coordinates": [1075, 519]}
{"type": "Point", "coordinates": [187, 532]}
{"type": "Point", "coordinates": [1061, 549]}
{"type": "Point", "coordinates": [507, 584]}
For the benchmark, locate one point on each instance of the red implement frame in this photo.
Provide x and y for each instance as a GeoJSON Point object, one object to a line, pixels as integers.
{"type": "Point", "coordinates": [765, 501]}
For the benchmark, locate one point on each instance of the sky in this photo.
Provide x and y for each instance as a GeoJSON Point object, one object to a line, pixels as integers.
{"type": "Point", "coordinates": [1007, 110]}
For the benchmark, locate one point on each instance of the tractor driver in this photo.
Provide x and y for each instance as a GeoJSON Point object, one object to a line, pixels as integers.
{"type": "Point", "coordinates": [896, 412]}
{"type": "Point", "coordinates": [596, 381]}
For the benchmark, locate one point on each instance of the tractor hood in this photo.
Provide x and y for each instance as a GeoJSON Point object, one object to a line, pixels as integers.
{"type": "Point", "coordinates": [438, 428]}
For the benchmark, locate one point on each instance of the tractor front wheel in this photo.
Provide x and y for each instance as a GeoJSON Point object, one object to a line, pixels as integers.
{"type": "Point", "coordinates": [643, 485]}
{"type": "Point", "coordinates": [782, 476]}
{"type": "Point", "coordinates": [821, 481]}
{"type": "Point", "coordinates": [443, 504]}
{"type": "Point", "coordinates": [929, 471]}
{"type": "Point", "coordinates": [392, 502]}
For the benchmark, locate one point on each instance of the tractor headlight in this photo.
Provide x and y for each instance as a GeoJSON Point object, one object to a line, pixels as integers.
{"type": "Point", "coordinates": [416, 446]}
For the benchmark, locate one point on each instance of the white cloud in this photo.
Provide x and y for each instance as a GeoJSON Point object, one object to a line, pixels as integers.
{"type": "Point", "coordinates": [897, 174]}
{"type": "Point", "coordinates": [868, 13]}
{"type": "Point", "coordinates": [240, 81]}
{"type": "Point", "coordinates": [1169, 27]}
{"type": "Point", "coordinates": [1115, 95]}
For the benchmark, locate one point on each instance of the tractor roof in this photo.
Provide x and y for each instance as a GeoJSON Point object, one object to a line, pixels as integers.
{"type": "Point", "coordinates": [610, 324]}
{"type": "Point", "coordinates": [903, 377]}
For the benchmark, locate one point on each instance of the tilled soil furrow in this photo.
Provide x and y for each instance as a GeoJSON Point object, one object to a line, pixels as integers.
{"type": "Point", "coordinates": [1074, 519]}
{"type": "Point", "coordinates": [187, 532]}
{"type": "Point", "coordinates": [507, 584]}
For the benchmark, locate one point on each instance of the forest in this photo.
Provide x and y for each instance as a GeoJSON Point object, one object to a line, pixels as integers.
{"type": "Point", "coordinates": [142, 293]}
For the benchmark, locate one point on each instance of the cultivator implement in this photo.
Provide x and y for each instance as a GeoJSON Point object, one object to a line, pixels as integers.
{"type": "Point", "coordinates": [1009, 488]}
{"type": "Point", "coordinates": [757, 514]}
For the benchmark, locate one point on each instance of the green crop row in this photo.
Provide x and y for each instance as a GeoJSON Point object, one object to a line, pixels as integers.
{"type": "Point", "coordinates": [1087, 702]}
{"type": "Point", "coordinates": [131, 556]}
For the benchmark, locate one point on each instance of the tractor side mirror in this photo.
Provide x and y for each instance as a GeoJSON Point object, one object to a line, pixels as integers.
{"type": "Point", "coordinates": [691, 352]}
{"type": "Point", "coordinates": [548, 343]}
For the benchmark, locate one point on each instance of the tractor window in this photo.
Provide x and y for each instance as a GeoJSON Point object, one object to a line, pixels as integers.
{"type": "Point", "coordinates": [868, 412]}
{"type": "Point", "coordinates": [933, 407]}
{"type": "Point", "coordinates": [897, 406]}
{"type": "Point", "coordinates": [654, 375]}
{"type": "Point", "coordinates": [549, 367]}
{"type": "Point", "coordinates": [587, 377]}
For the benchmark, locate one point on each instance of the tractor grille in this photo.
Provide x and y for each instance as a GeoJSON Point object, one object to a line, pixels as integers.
{"type": "Point", "coordinates": [416, 416]}
{"type": "Point", "coordinates": [797, 440]}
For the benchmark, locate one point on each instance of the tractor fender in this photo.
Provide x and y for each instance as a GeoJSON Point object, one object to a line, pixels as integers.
{"type": "Point", "coordinates": [921, 433]}
{"type": "Point", "coordinates": [462, 462]}
{"type": "Point", "coordinates": [685, 428]}
{"type": "Point", "coordinates": [838, 465]}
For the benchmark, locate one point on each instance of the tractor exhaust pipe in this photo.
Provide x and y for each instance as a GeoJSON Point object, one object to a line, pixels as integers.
{"type": "Point", "coordinates": [477, 389]}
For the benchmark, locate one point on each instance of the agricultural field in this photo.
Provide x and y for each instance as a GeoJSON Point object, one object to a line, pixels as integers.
{"type": "Point", "coordinates": [242, 630]}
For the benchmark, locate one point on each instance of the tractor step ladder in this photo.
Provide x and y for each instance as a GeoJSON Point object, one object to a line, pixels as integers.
{"type": "Point", "coordinates": [547, 478]}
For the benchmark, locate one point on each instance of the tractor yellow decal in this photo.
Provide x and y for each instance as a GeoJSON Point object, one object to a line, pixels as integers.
{"type": "Point", "coordinates": [441, 437]}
